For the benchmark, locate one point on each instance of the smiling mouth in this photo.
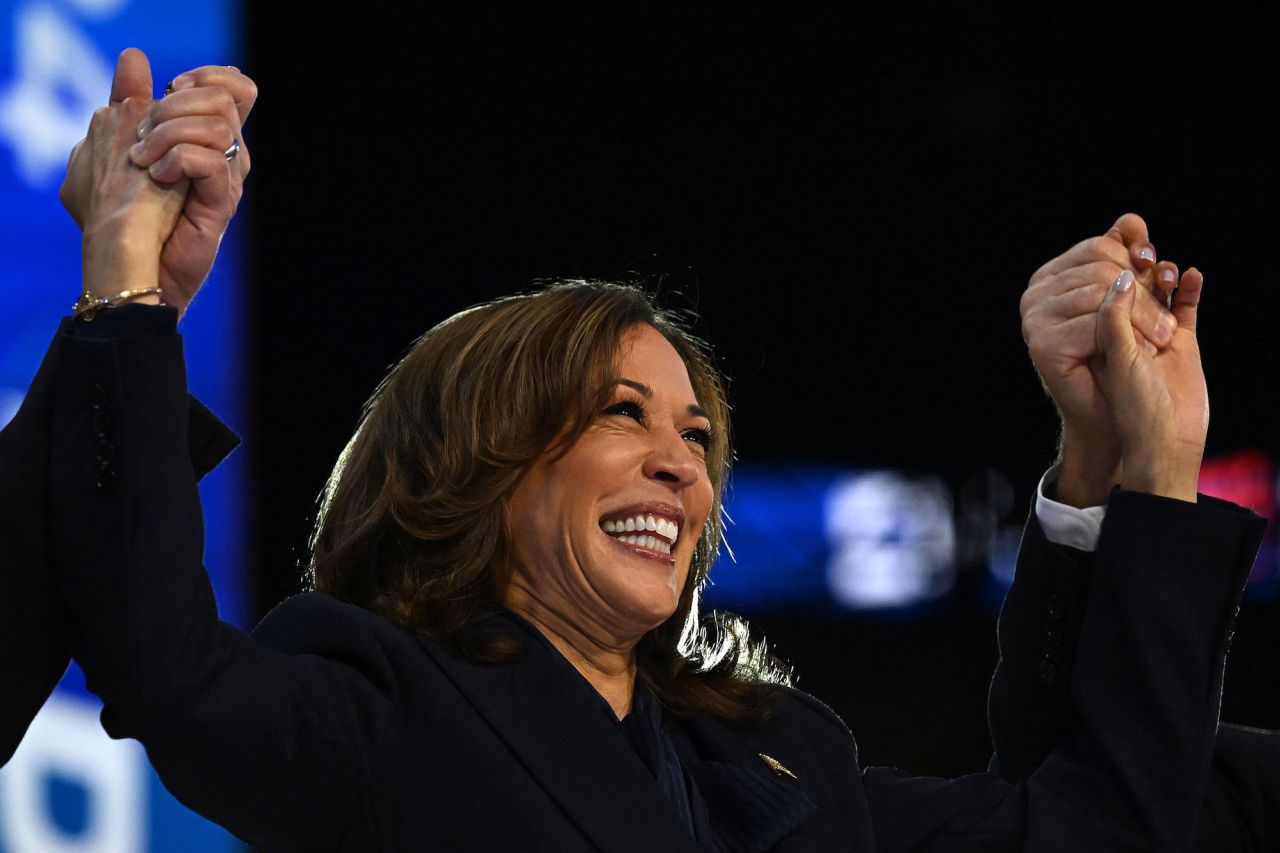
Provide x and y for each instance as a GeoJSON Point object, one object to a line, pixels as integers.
{"type": "Point", "coordinates": [654, 533]}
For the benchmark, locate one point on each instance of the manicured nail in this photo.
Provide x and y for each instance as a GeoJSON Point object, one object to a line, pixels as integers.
{"type": "Point", "coordinates": [1147, 253]}
{"type": "Point", "coordinates": [182, 81]}
{"type": "Point", "coordinates": [1169, 276]}
{"type": "Point", "coordinates": [1164, 330]}
{"type": "Point", "coordinates": [144, 128]}
{"type": "Point", "coordinates": [1124, 281]}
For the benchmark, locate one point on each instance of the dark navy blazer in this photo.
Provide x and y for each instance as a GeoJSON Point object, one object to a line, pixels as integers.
{"type": "Point", "coordinates": [34, 648]}
{"type": "Point", "coordinates": [1032, 710]}
{"type": "Point", "coordinates": [334, 729]}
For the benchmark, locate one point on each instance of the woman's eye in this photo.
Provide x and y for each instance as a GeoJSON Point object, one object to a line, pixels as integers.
{"type": "Point", "coordinates": [700, 437]}
{"type": "Point", "coordinates": [627, 409]}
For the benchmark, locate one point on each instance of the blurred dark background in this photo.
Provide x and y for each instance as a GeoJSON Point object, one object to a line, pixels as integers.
{"type": "Point", "coordinates": [853, 203]}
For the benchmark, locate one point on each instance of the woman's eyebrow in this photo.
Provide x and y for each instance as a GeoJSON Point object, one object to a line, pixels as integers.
{"type": "Point", "coordinates": [647, 393]}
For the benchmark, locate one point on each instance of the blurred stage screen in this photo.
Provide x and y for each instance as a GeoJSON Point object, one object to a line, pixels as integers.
{"type": "Point", "coordinates": [69, 787]}
{"type": "Point", "coordinates": [823, 540]}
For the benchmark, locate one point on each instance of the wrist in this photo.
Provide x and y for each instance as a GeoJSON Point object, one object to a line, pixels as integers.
{"type": "Point", "coordinates": [1172, 472]}
{"type": "Point", "coordinates": [116, 258]}
{"type": "Point", "coordinates": [1087, 470]}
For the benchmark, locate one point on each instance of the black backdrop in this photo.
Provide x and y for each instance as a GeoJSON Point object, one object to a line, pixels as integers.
{"type": "Point", "coordinates": [853, 203]}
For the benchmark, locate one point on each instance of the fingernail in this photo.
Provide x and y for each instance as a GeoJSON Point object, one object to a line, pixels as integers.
{"type": "Point", "coordinates": [1147, 253]}
{"type": "Point", "coordinates": [135, 151]}
{"type": "Point", "coordinates": [182, 81]}
{"type": "Point", "coordinates": [144, 128]}
{"type": "Point", "coordinates": [1169, 276]}
{"type": "Point", "coordinates": [1124, 281]}
{"type": "Point", "coordinates": [1164, 330]}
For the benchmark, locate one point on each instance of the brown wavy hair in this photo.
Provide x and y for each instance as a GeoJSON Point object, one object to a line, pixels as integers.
{"type": "Point", "coordinates": [412, 522]}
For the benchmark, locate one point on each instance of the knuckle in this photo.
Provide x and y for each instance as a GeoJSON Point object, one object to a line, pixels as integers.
{"type": "Point", "coordinates": [1099, 247]}
{"type": "Point", "coordinates": [1105, 271]}
{"type": "Point", "coordinates": [224, 101]}
{"type": "Point", "coordinates": [1025, 303]}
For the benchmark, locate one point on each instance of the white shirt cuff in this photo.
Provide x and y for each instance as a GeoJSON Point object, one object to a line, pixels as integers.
{"type": "Point", "coordinates": [1068, 525]}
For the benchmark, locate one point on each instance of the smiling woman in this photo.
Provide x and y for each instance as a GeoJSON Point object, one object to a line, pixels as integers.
{"type": "Point", "coordinates": [504, 651]}
{"type": "Point", "coordinates": [488, 465]}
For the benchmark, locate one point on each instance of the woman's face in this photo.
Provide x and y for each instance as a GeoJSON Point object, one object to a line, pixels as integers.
{"type": "Point", "coordinates": [604, 535]}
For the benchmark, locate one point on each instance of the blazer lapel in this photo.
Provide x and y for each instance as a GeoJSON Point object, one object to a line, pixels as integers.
{"type": "Point", "coordinates": [750, 806]}
{"type": "Point", "coordinates": [538, 707]}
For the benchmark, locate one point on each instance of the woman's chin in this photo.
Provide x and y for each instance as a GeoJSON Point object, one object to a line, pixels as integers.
{"type": "Point", "coordinates": [647, 609]}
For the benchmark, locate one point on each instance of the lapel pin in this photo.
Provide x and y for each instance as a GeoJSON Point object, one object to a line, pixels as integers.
{"type": "Point", "coordinates": [776, 766]}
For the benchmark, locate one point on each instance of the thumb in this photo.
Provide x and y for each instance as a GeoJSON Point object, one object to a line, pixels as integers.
{"type": "Point", "coordinates": [1116, 341]}
{"type": "Point", "coordinates": [133, 76]}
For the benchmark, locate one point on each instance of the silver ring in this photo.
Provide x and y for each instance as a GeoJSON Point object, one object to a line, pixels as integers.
{"type": "Point", "coordinates": [231, 152]}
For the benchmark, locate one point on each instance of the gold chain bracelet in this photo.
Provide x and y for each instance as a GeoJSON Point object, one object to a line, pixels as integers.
{"type": "Point", "coordinates": [88, 305]}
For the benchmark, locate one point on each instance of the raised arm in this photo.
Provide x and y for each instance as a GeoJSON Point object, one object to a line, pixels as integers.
{"type": "Point", "coordinates": [34, 650]}
{"type": "Point", "coordinates": [268, 738]}
{"type": "Point", "coordinates": [1032, 709]}
{"type": "Point", "coordinates": [1130, 769]}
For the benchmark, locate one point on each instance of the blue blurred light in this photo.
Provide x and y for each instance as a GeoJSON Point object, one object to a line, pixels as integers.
{"type": "Point", "coordinates": [833, 540]}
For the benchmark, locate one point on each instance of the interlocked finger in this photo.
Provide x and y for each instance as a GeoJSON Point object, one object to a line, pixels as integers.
{"type": "Point", "coordinates": [1085, 275]}
{"type": "Point", "coordinates": [208, 101]}
{"type": "Point", "coordinates": [1091, 250]}
{"type": "Point", "coordinates": [205, 102]}
{"type": "Point", "coordinates": [1150, 317]}
{"type": "Point", "coordinates": [208, 131]}
{"type": "Point", "coordinates": [207, 168]}
{"type": "Point", "coordinates": [243, 91]}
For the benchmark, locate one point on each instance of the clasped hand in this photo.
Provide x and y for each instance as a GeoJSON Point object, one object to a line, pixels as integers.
{"type": "Point", "coordinates": [151, 186]}
{"type": "Point", "coordinates": [1112, 334]}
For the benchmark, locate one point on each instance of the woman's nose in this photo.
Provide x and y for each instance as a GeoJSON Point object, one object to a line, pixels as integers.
{"type": "Point", "coordinates": [671, 462]}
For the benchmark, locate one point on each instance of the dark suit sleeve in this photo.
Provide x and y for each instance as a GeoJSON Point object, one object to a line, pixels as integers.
{"type": "Point", "coordinates": [1029, 705]}
{"type": "Point", "coordinates": [34, 649]}
{"type": "Point", "coordinates": [1145, 687]}
{"type": "Point", "coordinates": [1031, 710]}
{"type": "Point", "coordinates": [270, 742]}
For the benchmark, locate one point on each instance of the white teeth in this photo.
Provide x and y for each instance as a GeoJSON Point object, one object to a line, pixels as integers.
{"type": "Point", "coordinates": [653, 543]}
{"type": "Point", "coordinates": [666, 531]}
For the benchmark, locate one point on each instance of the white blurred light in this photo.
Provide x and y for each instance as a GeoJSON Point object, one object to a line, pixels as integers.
{"type": "Point", "coordinates": [10, 400]}
{"type": "Point", "coordinates": [98, 8]}
{"type": "Point", "coordinates": [892, 540]}
{"type": "Point", "coordinates": [66, 741]}
{"type": "Point", "coordinates": [59, 81]}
